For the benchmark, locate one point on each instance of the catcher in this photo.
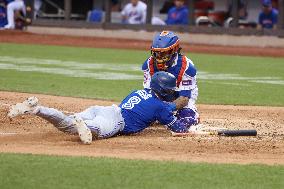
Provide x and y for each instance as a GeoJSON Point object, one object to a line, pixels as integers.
{"type": "Point", "coordinates": [135, 113]}
{"type": "Point", "coordinates": [166, 56]}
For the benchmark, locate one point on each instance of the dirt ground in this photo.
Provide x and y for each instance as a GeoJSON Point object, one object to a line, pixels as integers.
{"type": "Point", "coordinates": [29, 134]}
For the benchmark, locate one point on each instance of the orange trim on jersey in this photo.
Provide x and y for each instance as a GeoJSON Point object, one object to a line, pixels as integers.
{"type": "Point", "coordinates": [182, 70]}
{"type": "Point", "coordinates": [166, 49]}
{"type": "Point", "coordinates": [151, 66]}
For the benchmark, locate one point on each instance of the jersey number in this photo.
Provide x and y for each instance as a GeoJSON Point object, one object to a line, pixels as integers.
{"type": "Point", "coordinates": [131, 102]}
{"type": "Point", "coordinates": [135, 99]}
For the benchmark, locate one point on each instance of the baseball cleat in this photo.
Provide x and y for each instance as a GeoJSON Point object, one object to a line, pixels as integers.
{"type": "Point", "coordinates": [84, 132]}
{"type": "Point", "coordinates": [25, 107]}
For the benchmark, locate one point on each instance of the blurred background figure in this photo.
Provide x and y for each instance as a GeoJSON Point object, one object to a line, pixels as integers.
{"type": "Point", "coordinates": [37, 6]}
{"type": "Point", "coordinates": [157, 21]}
{"type": "Point", "coordinates": [268, 16]}
{"type": "Point", "coordinates": [3, 14]}
{"type": "Point", "coordinates": [115, 5]}
{"type": "Point", "coordinates": [178, 15]}
{"type": "Point", "coordinates": [95, 15]}
{"type": "Point", "coordinates": [242, 15]}
{"type": "Point", "coordinates": [275, 4]}
{"type": "Point", "coordinates": [12, 6]}
{"type": "Point", "coordinates": [242, 9]}
{"type": "Point", "coordinates": [134, 12]}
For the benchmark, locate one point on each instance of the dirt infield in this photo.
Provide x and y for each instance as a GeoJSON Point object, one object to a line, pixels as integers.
{"type": "Point", "coordinates": [29, 134]}
{"type": "Point", "coordinates": [29, 38]}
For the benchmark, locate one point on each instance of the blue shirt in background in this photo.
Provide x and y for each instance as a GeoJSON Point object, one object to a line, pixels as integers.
{"type": "Point", "coordinates": [177, 16]}
{"type": "Point", "coordinates": [3, 17]}
{"type": "Point", "coordinates": [268, 20]}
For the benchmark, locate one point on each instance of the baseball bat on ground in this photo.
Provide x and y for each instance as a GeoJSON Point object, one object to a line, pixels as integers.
{"type": "Point", "coordinates": [237, 132]}
{"type": "Point", "coordinates": [228, 133]}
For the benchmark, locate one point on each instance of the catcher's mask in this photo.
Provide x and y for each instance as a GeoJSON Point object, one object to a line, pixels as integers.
{"type": "Point", "coordinates": [163, 84]}
{"type": "Point", "coordinates": [164, 49]}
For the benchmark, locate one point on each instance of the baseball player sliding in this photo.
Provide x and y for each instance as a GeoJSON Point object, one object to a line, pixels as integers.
{"type": "Point", "coordinates": [166, 56]}
{"type": "Point", "coordinates": [135, 113]}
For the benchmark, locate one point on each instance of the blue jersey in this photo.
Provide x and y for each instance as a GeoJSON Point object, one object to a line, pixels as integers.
{"type": "Point", "coordinates": [268, 20]}
{"type": "Point", "coordinates": [177, 16]}
{"type": "Point", "coordinates": [141, 108]}
{"type": "Point", "coordinates": [3, 17]}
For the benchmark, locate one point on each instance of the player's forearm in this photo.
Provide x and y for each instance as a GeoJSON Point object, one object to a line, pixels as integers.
{"type": "Point", "coordinates": [181, 102]}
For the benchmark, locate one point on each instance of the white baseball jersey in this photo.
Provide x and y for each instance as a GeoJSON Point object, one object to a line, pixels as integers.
{"type": "Point", "coordinates": [135, 14]}
{"type": "Point", "coordinates": [11, 8]}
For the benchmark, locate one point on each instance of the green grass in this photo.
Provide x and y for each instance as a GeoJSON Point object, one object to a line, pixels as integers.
{"type": "Point", "coordinates": [37, 171]}
{"type": "Point", "coordinates": [221, 79]}
{"type": "Point", "coordinates": [73, 53]}
{"type": "Point", "coordinates": [64, 86]}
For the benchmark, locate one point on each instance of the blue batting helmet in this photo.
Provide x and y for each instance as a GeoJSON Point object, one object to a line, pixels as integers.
{"type": "Point", "coordinates": [163, 84]}
{"type": "Point", "coordinates": [266, 3]}
{"type": "Point", "coordinates": [164, 48]}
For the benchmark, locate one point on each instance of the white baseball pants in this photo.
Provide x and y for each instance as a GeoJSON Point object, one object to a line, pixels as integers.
{"type": "Point", "coordinates": [103, 121]}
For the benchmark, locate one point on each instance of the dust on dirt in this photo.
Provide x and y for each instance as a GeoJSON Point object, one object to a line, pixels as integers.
{"type": "Point", "coordinates": [30, 134]}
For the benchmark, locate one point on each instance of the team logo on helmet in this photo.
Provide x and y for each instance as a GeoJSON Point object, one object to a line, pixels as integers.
{"type": "Point", "coordinates": [164, 33]}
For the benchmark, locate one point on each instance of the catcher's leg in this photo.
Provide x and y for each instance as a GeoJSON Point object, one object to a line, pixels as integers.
{"type": "Point", "coordinates": [70, 124]}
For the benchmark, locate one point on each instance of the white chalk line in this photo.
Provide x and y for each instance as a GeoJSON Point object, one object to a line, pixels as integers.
{"type": "Point", "coordinates": [104, 71]}
{"type": "Point", "coordinates": [110, 71]}
{"type": "Point", "coordinates": [7, 134]}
